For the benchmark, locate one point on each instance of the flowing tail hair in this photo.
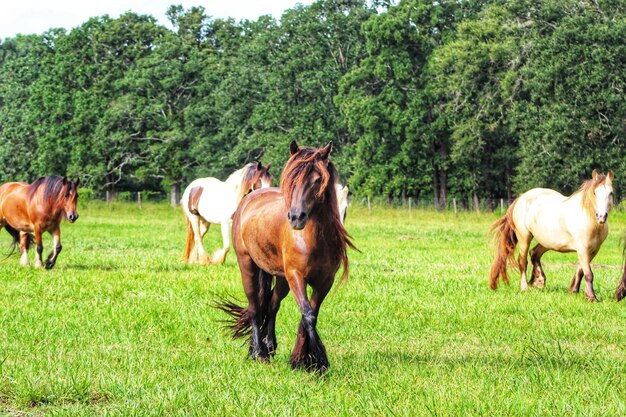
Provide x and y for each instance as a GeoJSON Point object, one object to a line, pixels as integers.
{"type": "Point", "coordinates": [16, 239]}
{"type": "Point", "coordinates": [189, 243]}
{"type": "Point", "coordinates": [505, 240]}
{"type": "Point", "coordinates": [620, 291]}
{"type": "Point", "coordinates": [240, 322]}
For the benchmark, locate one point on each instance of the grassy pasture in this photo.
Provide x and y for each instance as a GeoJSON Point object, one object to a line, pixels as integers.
{"type": "Point", "coordinates": [122, 326]}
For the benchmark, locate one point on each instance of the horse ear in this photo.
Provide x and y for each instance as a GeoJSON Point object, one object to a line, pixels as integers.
{"type": "Point", "coordinates": [325, 151]}
{"type": "Point", "coordinates": [259, 165]}
{"type": "Point", "coordinates": [64, 181]}
{"type": "Point", "coordinates": [344, 191]}
{"type": "Point", "coordinates": [267, 168]}
{"type": "Point", "coordinates": [610, 176]}
{"type": "Point", "coordinates": [76, 182]}
{"type": "Point", "coordinates": [293, 147]}
{"type": "Point", "coordinates": [594, 174]}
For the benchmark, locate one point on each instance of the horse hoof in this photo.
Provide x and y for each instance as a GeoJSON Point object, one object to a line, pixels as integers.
{"type": "Point", "coordinates": [593, 299]}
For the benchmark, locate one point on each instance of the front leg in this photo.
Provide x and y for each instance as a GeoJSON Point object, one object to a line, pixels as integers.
{"type": "Point", "coordinates": [39, 247]}
{"type": "Point", "coordinates": [585, 265]}
{"type": "Point", "coordinates": [52, 257]}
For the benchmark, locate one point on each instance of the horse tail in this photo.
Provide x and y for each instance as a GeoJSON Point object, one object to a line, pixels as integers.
{"type": "Point", "coordinates": [16, 239]}
{"type": "Point", "coordinates": [189, 243]}
{"type": "Point", "coordinates": [620, 291]}
{"type": "Point", "coordinates": [239, 323]}
{"type": "Point", "coordinates": [505, 239]}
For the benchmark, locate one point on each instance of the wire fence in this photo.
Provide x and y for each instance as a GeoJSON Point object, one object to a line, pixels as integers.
{"type": "Point", "coordinates": [453, 204]}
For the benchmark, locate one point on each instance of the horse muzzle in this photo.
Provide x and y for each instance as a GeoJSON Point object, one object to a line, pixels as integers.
{"type": "Point", "coordinates": [72, 217]}
{"type": "Point", "coordinates": [297, 219]}
{"type": "Point", "coordinates": [602, 218]}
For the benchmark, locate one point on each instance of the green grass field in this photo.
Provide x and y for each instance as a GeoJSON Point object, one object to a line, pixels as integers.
{"type": "Point", "coordinates": [123, 327]}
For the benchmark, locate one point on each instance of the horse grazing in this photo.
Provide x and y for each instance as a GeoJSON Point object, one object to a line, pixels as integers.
{"type": "Point", "coordinates": [565, 224]}
{"type": "Point", "coordinates": [27, 209]}
{"type": "Point", "coordinates": [209, 200]}
{"type": "Point", "coordinates": [293, 233]}
{"type": "Point", "coordinates": [342, 201]}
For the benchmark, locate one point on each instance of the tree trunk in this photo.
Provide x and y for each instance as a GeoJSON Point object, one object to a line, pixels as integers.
{"type": "Point", "coordinates": [175, 194]}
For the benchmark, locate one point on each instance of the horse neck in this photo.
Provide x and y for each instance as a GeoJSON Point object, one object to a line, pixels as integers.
{"type": "Point", "coordinates": [235, 182]}
{"type": "Point", "coordinates": [577, 200]}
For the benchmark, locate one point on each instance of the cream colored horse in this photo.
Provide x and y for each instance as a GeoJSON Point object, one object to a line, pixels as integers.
{"type": "Point", "coordinates": [565, 224]}
{"type": "Point", "coordinates": [209, 200]}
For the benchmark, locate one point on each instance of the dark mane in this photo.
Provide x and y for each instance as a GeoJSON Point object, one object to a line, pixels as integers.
{"type": "Point", "coordinates": [51, 187]}
{"type": "Point", "coordinates": [297, 170]}
{"type": "Point", "coordinates": [252, 174]}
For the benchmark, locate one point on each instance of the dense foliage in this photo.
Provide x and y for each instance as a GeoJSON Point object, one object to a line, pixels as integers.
{"type": "Point", "coordinates": [429, 99]}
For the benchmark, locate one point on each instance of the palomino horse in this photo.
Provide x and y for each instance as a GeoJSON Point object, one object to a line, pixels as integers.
{"type": "Point", "coordinates": [209, 200]}
{"type": "Point", "coordinates": [36, 208]}
{"type": "Point", "coordinates": [342, 201]}
{"type": "Point", "coordinates": [295, 234]}
{"type": "Point", "coordinates": [565, 224]}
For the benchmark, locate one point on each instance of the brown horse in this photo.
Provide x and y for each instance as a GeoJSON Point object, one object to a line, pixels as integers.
{"type": "Point", "coordinates": [27, 209]}
{"type": "Point", "coordinates": [577, 223]}
{"type": "Point", "coordinates": [293, 233]}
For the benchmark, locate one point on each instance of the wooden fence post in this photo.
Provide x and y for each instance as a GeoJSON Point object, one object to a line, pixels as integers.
{"type": "Point", "coordinates": [139, 199]}
{"type": "Point", "coordinates": [454, 204]}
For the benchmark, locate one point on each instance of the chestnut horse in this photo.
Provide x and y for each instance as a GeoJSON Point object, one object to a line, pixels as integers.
{"type": "Point", "coordinates": [293, 233]}
{"type": "Point", "coordinates": [209, 200]}
{"type": "Point", "coordinates": [36, 208]}
{"type": "Point", "coordinates": [565, 224]}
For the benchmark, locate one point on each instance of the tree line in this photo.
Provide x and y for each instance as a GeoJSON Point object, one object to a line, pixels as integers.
{"type": "Point", "coordinates": [423, 99]}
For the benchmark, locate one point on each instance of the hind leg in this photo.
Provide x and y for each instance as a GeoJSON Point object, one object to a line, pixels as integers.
{"type": "Point", "coordinates": [251, 278]}
{"type": "Point", "coordinates": [522, 260]}
{"type": "Point", "coordinates": [281, 289]}
{"type": "Point", "coordinates": [574, 286]}
{"type": "Point", "coordinates": [537, 278]}
{"type": "Point", "coordinates": [219, 256]}
{"type": "Point", "coordinates": [199, 228]}
{"type": "Point", "coordinates": [24, 244]}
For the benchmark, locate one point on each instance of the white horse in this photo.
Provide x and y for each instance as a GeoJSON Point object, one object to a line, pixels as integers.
{"type": "Point", "coordinates": [565, 224]}
{"type": "Point", "coordinates": [342, 201]}
{"type": "Point", "coordinates": [209, 200]}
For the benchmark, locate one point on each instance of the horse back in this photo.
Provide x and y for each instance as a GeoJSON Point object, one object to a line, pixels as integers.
{"type": "Point", "coordinates": [14, 205]}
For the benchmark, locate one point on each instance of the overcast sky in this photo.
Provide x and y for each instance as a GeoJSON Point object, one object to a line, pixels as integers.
{"type": "Point", "coordinates": [37, 16]}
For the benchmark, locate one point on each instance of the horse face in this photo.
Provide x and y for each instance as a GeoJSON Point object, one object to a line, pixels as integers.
{"type": "Point", "coordinates": [261, 178]}
{"type": "Point", "coordinates": [71, 198]}
{"type": "Point", "coordinates": [604, 198]}
{"type": "Point", "coordinates": [265, 178]}
{"type": "Point", "coordinates": [303, 199]}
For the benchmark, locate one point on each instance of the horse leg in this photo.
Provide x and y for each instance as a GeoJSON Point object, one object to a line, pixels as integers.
{"type": "Point", "coordinates": [538, 278]}
{"type": "Point", "coordinates": [24, 244]}
{"type": "Point", "coordinates": [38, 262]}
{"type": "Point", "coordinates": [251, 277]}
{"type": "Point", "coordinates": [199, 228]}
{"type": "Point", "coordinates": [585, 261]}
{"type": "Point", "coordinates": [281, 289]}
{"type": "Point", "coordinates": [309, 351]}
{"type": "Point", "coordinates": [522, 260]}
{"type": "Point", "coordinates": [52, 257]}
{"type": "Point", "coordinates": [219, 256]}
{"type": "Point", "coordinates": [574, 287]}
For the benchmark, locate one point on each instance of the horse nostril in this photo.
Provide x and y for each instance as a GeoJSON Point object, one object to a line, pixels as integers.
{"type": "Point", "coordinates": [302, 216]}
